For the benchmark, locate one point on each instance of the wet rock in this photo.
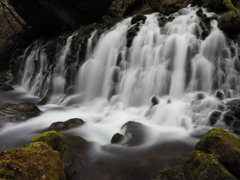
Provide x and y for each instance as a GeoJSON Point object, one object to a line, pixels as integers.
{"type": "Point", "coordinates": [200, 165]}
{"type": "Point", "coordinates": [220, 95]}
{"type": "Point", "coordinates": [71, 123]}
{"type": "Point", "coordinates": [36, 161]}
{"type": "Point", "coordinates": [138, 18]}
{"type": "Point", "coordinates": [230, 22]}
{"type": "Point", "coordinates": [132, 32]}
{"type": "Point", "coordinates": [73, 151]}
{"type": "Point", "coordinates": [214, 117]}
{"type": "Point", "coordinates": [117, 138]}
{"type": "Point", "coordinates": [18, 112]}
{"type": "Point", "coordinates": [225, 145]}
{"type": "Point", "coordinates": [155, 100]}
{"type": "Point", "coordinates": [135, 133]}
{"type": "Point", "coordinates": [215, 156]}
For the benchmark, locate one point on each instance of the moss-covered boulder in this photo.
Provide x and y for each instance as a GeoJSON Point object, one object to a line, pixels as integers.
{"type": "Point", "coordinates": [18, 112]}
{"type": "Point", "coordinates": [73, 151]}
{"type": "Point", "coordinates": [5, 87]}
{"type": "Point", "coordinates": [225, 146]}
{"type": "Point", "coordinates": [215, 156]}
{"type": "Point", "coordinates": [71, 123]}
{"type": "Point", "coordinates": [199, 165]}
{"type": "Point", "coordinates": [36, 161]}
{"type": "Point", "coordinates": [230, 21]}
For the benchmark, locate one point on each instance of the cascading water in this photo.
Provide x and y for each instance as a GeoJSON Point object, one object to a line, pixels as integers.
{"type": "Point", "coordinates": [116, 83]}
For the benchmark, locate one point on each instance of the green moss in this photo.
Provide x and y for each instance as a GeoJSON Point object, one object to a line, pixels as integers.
{"type": "Point", "coordinates": [36, 161]}
{"type": "Point", "coordinates": [5, 87]}
{"type": "Point", "coordinates": [54, 140]}
{"type": "Point", "coordinates": [6, 105]}
{"type": "Point", "coordinates": [225, 145]}
{"type": "Point", "coordinates": [199, 165]}
{"type": "Point", "coordinates": [138, 17]}
{"type": "Point", "coordinates": [173, 173]}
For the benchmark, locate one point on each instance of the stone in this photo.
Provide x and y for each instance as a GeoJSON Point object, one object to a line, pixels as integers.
{"type": "Point", "coordinates": [71, 123]}
{"type": "Point", "coordinates": [18, 112]}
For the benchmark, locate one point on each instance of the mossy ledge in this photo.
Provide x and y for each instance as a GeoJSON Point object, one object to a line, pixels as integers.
{"type": "Point", "coordinates": [215, 156]}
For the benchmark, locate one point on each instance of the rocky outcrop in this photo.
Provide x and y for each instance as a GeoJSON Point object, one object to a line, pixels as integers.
{"type": "Point", "coordinates": [54, 17]}
{"type": "Point", "coordinates": [18, 112]}
{"type": "Point", "coordinates": [36, 161]}
{"type": "Point", "coordinates": [216, 156]}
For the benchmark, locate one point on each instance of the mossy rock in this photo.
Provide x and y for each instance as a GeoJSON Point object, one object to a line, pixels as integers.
{"type": "Point", "coordinates": [71, 123]}
{"type": "Point", "coordinates": [18, 112]}
{"type": "Point", "coordinates": [155, 100]}
{"type": "Point", "coordinates": [230, 22]}
{"type": "Point", "coordinates": [5, 87]}
{"type": "Point", "coordinates": [174, 173]}
{"type": "Point", "coordinates": [223, 144]}
{"type": "Point", "coordinates": [55, 140]}
{"type": "Point", "coordinates": [199, 165]}
{"type": "Point", "coordinates": [137, 18]}
{"type": "Point", "coordinates": [36, 161]}
{"type": "Point", "coordinates": [72, 149]}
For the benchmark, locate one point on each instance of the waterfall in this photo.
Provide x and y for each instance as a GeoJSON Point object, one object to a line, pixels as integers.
{"type": "Point", "coordinates": [174, 63]}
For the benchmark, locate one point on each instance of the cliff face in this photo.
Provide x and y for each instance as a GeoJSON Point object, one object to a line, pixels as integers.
{"type": "Point", "coordinates": [54, 17]}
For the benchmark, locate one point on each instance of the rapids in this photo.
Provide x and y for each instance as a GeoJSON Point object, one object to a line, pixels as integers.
{"type": "Point", "coordinates": [115, 84]}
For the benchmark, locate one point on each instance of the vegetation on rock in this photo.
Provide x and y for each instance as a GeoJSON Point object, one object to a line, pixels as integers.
{"type": "Point", "coordinates": [36, 161]}
{"type": "Point", "coordinates": [216, 156]}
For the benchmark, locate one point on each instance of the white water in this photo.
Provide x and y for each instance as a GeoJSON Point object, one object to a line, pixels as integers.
{"type": "Point", "coordinates": [157, 64]}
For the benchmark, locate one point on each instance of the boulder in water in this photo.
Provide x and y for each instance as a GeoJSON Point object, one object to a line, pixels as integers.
{"type": "Point", "coordinates": [135, 133]}
{"type": "Point", "coordinates": [71, 123]}
{"type": "Point", "coordinates": [73, 151]}
{"type": "Point", "coordinates": [216, 156]}
{"type": "Point", "coordinates": [18, 112]}
{"type": "Point", "coordinates": [117, 138]}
